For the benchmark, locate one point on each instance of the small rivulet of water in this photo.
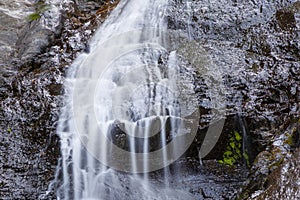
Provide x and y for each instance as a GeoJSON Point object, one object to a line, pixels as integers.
{"type": "Point", "coordinates": [130, 107]}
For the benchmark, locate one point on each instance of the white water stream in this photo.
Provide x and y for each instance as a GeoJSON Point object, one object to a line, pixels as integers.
{"type": "Point", "coordinates": [130, 107]}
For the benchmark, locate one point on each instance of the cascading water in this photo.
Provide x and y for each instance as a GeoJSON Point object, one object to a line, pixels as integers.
{"type": "Point", "coordinates": [130, 107]}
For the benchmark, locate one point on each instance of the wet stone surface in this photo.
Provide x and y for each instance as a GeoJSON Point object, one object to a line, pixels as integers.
{"type": "Point", "coordinates": [258, 55]}
{"type": "Point", "coordinates": [283, 183]}
{"type": "Point", "coordinates": [256, 46]}
{"type": "Point", "coordinates": [274, 167]}
{"type": "Point", "coordinates": [255, 43]}
{"type": "Point", "coordinates": [31, 78]}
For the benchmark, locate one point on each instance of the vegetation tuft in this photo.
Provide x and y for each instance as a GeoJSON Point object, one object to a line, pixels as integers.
{"type": "Point", "coordinates": [40, 8]}
{"type": "Point", "coordinates": [233, 153]}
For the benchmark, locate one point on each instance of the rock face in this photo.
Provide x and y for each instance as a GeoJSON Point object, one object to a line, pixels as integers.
{"type": "Point", "coordinates": [256, 44]}
{"type": "Point", "coordinates": [12, 19]}
{"type": "Point", "coordinates": [283, 183]}
{"type": "Point", "coordinates": [28, 111]}
{"type": "Point", "coordinates": [272, 172]}
{"type": "Point", "coordinates": [36, 54]}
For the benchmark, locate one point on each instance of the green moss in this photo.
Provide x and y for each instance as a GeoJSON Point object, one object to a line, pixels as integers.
{"type": "Point", "coordinates": [9, 130]}
{"type": "Point", "coordinates": [238, 137]}
{"type": "Point", "coordinates": [40, 8]}
{"type": "Point", "coordinates": [246, 157]}
{"type": "Point", "coordinates": [233, 152]}
{"type": "Point", "coordinates": [34, 16]}
{"type": "Point", "coordinates": [290, 140]}
{"type": "Point", "coordinates": [276, 164]}
{"type": "Point", "coordinates": [255, 67]}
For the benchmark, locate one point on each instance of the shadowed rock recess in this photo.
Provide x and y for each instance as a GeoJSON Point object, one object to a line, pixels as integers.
{"type": "Point", "coordinates": [255, 44]}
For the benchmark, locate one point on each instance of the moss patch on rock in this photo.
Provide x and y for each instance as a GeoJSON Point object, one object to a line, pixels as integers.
{"type": "Point", "coordinates": [234, 151]}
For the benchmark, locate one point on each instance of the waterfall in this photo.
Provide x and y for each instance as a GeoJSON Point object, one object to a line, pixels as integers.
{"type": "Point", "coordinates": [130, 107]}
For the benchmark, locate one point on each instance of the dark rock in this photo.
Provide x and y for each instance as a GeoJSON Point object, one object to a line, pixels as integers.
{"type": "Point", "coordinates": [10, 24]}
{"type": "Point", "coordinates": [271, 163]}
{"type": "Point", "coordinates": [286, 17]}
{"type": "Point", "coordinates": [33, 40]}
{"type": "Point", "coordinates": [284, 182]}
{"type": "Point", "coordinates": [55, 89]}
{"type": "Point", "coordinates": [255, 44]}
{"type": "Point", "coordinates": [31, 77]}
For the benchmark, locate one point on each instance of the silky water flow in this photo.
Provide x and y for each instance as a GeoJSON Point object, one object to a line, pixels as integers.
{"type": "Point", "coordinates": [130, 107]}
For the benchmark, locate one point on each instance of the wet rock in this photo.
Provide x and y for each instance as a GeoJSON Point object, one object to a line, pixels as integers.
{"type": "Point", "coordinates": [259, 59]}
{"type": "Point", "coordinates": [284, 182]}
{"type": "Point", "coordinates": [32, 41]}
{"type": "Point", "coordinates": [12, 19]}
{"type": "Point", "coordinates": [31, 95]}
{"type": "Point", "coordinates": [273, 160]}
{"type": "Point", "coordinates": [55, 89]}
{"type": "Point", "coordinates": [286, 17]}
{"type": "Point", "coordinates": [256, 46]}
